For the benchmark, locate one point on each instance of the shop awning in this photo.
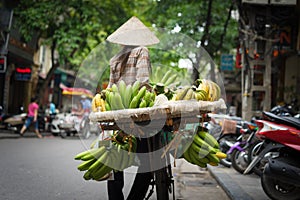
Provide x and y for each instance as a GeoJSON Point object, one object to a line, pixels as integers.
{"type": "Point", "coordinates": [76, 91]}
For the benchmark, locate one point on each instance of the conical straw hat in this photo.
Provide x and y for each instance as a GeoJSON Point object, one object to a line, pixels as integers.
{"type": "Point", "coordinates": [133, 33]}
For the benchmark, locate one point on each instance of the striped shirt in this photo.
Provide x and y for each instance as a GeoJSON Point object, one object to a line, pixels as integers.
{"type": "Point", "coordinates": [137, 66]}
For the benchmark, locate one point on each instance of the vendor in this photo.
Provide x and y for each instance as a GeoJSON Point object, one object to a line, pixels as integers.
{"type": "Point", "coordinates": [131, 64]}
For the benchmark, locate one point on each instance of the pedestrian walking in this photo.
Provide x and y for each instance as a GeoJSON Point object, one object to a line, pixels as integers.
{"type": "Point", "coordinates": [32, 117]}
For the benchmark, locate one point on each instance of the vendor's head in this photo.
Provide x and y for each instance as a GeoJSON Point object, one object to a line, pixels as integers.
{"type": "Point", "coordinates": [133, 33]}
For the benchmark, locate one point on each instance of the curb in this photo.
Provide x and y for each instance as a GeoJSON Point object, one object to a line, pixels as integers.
{"type": "Point", "coordinates": [231, 188]}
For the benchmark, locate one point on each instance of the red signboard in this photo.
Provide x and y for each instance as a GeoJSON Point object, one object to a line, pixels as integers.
{"type": "Point", "coordinates": [2, 64]}
{"type": "Point", "coordinates": [23, 73]}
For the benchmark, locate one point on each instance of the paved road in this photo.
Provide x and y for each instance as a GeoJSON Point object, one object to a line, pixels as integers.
{"type": "Point", "coordinates": [35, 169]}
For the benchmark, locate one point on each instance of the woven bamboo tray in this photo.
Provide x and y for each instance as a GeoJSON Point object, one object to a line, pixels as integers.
{"type": "Point", "coordinates": [170, 113]}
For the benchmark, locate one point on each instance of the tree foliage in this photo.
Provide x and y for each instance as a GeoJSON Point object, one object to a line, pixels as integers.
{"type": "Point", "coordinates": [206, 22]}
{"type": "Point", "coordinates": [75, 27]}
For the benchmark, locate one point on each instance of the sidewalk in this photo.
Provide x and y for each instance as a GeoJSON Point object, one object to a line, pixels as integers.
{"type": "Point", "coordinates": [194, 183]}
{"type": "Point", "coordinates": [7, 134]}
{"type": "Point", "coordinates": [238, 186]}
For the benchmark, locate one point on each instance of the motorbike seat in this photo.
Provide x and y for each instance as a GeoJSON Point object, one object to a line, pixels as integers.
{"type": "Point", "coordinates": [289, 121]}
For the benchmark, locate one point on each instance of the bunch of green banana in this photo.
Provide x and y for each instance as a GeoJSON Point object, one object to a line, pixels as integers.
{"type": "Point", "coordinates": [98, 162]}
{"type": "Point", "coordinates": [165, 78]}
{"type": "Point", "coordinates": [203, 150]}
{"type": "Point", "coordinates": [124, 96]}
{"type": "Point", "coordinates": [123, 150]}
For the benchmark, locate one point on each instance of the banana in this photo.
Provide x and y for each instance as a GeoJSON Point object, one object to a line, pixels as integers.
{"type": "Point", "coordinates": [103, 170]}
{"type": "Point", "coordinates": [188, 95]}
{"type": "Point", "coordinates": [208, 138]}
{"type": "Point", "coordinates": [122, 90]}
{"type": "Point", "coordinates": [203, 86]}
{"type": "Point", "coordinates": [141, 92]}
{"type": "Point", "coordinates": [87, 176]}
{"type": "Point", "coordinates": [108, 97]}
{"type": "Point", "coordinates": [116, 101]}
{"type": "Point", "coordinates": [216, 91]}
{"type": "Point", "coordinates": [82, 154]}
{"type": "Point", "coordinates": [213, 158]}
{"type": "Point", "coordinates": [166, 76]}
{"type": "Point", "coordinates": [195, 159]}
{"type": "Point", "coordinates": [135, 88]}
{"type": "Point", "coordinates": [97, 98]}
{"type": "Point", "coordinates": [157, 75]}
{"type": "Point", "coordinates": [86, 165]}
{"type": "Point", "coordinates": [186, 156]}
{"type": "Point", "coordinates": [94, 154]}
{"type": "Point", "coordinates": [143, 104]}
{"type": "Point", "coordinates": [134, 102]}
{"type": "Point", "coordinates": [147, 97]}
{"type": "Point", "coordinates": [201, 95]}
{"type": "Point", "coordinates": [103, 107]}
{"type": "Point", "coordinates": [221, 155]}
{"type": "Point", "coordinates": [107, 106]}
{"type": "Point", "coordinates": [200, 151]}
{"type": "Point", "coordinates": [170, 80]}
{"type": "Point", "coordinates": [180, 94]}
{"type": "Point", "coordinates": [202, 144]}
{"type": "Point", "coordinates": [151, 103]}
{"type": "Point", "coordinates": [127, 96]}
{"type": "Point", "coordinates": [199, 154]}
{"type": "Point", "coordinates": [115, 88]}
{"type": "Point", "coordinates": [100, 161]}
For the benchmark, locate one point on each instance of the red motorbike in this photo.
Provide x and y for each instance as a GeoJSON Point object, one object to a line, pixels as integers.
{"type": "Point", "coordinates": [278, 156]}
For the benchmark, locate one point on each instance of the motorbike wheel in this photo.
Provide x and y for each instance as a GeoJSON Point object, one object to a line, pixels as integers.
{"type": "Point", "coordinates": [239, 160]}
{"type": "Point", "coordinates": [253, 150]}
{"type": "Point", "coordinates": [225, 143]}
{"type": "Point", "coordinates": [18, 128]}
{"type": "Point", "coordinates": [279, 190]}
{"type": "Point", "coordinates": [63, 134]}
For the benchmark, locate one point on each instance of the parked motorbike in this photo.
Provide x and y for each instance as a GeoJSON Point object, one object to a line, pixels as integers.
{"type": "Point", "coordinates": [3, 117]}
{"type": "Point", "coordinates": [278, 156]}
{"type": "Point", "coordinates": [287, 110]}
{"type": "Point", "coordinates": [242, 150]}
{"type": "Point", "coordinates": [15, 122]}
{"type": "Point", "coordinates": [67, 124]}
{"type": "Point", "coordinates": [230, 133]}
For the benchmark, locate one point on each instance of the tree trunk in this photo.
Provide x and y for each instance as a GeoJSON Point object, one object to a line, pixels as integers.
{"type": "Point", "coordinates": [50, 73]}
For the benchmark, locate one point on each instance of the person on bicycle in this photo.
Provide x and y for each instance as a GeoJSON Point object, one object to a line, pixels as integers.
{"type": "Point", "coordinates": [131, 64]}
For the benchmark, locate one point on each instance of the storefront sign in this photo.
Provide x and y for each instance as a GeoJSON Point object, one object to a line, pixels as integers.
{"type": "Point", "coordinates": [227, 62]}
{"type": "Point", "coordinates": [23, 73]}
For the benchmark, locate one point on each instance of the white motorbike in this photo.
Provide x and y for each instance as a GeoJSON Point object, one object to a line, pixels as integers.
{"type": "Point", "coordinates": [67, 124]}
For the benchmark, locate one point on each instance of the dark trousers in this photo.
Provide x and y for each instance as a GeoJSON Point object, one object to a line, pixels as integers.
{"type": "Point", "coordinates": [140, 185]}
{"type": "Point", "coordinates": [138, 191]}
